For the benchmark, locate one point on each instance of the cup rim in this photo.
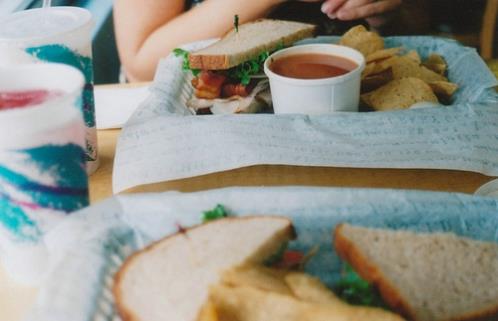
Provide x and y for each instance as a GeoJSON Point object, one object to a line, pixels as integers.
{"type": "Point", "coordinates": [320, 81]}
{"type": "Point", "coordinates": [86, 18]}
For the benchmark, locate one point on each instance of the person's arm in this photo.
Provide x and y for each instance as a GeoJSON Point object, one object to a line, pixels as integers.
{"type": "Point", "coordinates": [148, 30]}
{"type": "Point", "coordinates": [374, 11]}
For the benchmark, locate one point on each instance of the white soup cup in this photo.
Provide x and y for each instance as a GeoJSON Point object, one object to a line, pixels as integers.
{"type": "Point", "coordinates": [316, 96]}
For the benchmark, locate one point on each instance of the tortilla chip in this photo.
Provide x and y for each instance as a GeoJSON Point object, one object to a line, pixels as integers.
{"type": "Point", "coordinates": [436, 63]}
{"type": "Point", "coordinates": [353, 32]}
{"type": "Point", "coordinates": [428, 75]}
{"type": "Point", "coordinates": [384, 65]}
{"type": "Point", "coordinates": [435, 59]}
{"type": "Point", "coordinates": [369, 69]}
{"type": "Point", "coordinates": [413, 54]}
{"type": "Point", "coordinates": [443, 89]}
{"type": "Point", "coordinates": [311, 289]}
{"type": "Point", "coordinates": [383, 54]}
{"type": "Point", "coordinates": [257, 276]}
{"type": "Point", "coordinates": [404, 67]}
{"type": "Point", "coordinates": [399, 94]}
{"type": "Point", "coordinates": [250, 304]}
{"type": "Point", "coordinates": [375, 81]}
{"type": "Point", "coordinates": [208, 312]}
{"type": "Point", "coordinates": [437, 68]}
{"type": "Point", "coordinates": [362, 40]}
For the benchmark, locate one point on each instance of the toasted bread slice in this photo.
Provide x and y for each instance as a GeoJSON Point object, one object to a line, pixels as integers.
{"type": "Point", "coordinates": [426, 277]}
{"type": "Point", "coordinates": [169, 280]}
{"type": "Point", "coordinates": [251, 40]}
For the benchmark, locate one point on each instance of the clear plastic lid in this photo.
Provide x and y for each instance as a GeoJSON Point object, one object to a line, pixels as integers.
{"type": "Point", "coordinates": [42, 22]}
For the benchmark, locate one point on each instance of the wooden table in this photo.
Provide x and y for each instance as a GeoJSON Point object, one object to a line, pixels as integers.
{"type": "Point", "coordinates": [15, 299]}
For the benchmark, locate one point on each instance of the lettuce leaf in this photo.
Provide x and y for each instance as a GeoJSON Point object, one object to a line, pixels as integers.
{"type": "Point", "coordinates": [355, 290]}
{"type": "Point", "coordinates": [216, 213]}
{"type": "Point", "coordinates": [178, 52]}
{"type": "Point", "coordinates": [241, 73]}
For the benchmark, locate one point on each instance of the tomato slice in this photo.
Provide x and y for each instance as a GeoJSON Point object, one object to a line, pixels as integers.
{"type": "Point", "coordinates": [290, 259]}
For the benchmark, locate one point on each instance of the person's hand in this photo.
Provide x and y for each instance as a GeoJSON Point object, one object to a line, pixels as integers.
{"type": "Point", "coordinates": [371, 10]}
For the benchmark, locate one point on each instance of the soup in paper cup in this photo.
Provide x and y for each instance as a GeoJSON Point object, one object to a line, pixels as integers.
{"type": "Point", "coordinates": [315, 79]}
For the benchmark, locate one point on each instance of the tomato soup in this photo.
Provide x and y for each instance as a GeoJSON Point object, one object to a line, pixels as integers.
{"type": "Point", "coordinates": [312, 66]}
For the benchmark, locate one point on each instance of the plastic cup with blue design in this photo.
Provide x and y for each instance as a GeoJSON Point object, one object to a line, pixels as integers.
{"type": "Point", "coordinates": [42, 161]}
{"type": "Point", "coordinates": [59, 35]}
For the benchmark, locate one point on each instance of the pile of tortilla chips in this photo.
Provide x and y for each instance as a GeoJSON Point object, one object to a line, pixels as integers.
{"type": "Point", "coordinates": [395, 79]}
{"type": "Point", "coordinates": [258, 293]}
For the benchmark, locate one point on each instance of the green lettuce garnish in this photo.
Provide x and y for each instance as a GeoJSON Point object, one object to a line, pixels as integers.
{"type": "Point", "coordinates": [241, 73]}
{"type": "Point", "coordinates": [178, 52]}
{"type": "Point", "coordinates": [216, 213]}
{"type": "Point", "coordinates": [245, 70]}
{"type": "Point", "coordinates": [355, 290]}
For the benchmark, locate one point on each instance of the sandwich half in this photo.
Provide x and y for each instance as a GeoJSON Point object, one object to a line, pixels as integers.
{"type": "Point", "coordinates": [169, 280]}
{"type": "Point", "coordinates": [229, 73]}
{"type": "Point", "coordinates": [425, 277]}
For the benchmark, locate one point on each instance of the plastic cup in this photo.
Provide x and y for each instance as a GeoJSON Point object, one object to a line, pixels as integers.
{"type": "Point", "coordinates": [42, 163]}
{"type": "Point", "coordinates": [60, 35]}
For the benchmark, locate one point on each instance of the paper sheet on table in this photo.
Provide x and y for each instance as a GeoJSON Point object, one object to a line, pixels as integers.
{"type": "Point", "coordinates": [88, 248]}
{"type": "Point", "coordinates": [161, 143]}
{"type": "Point", "coordinates": [114, 106]}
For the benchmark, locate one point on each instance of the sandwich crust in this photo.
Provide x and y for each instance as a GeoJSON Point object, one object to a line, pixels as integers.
{"type": "Point", "coordinates": [349, 252]}
{"type": "Point", "coordinates": [123, 310]}
{"type": "Point", "coordinates": [353, 255]}
{"type": "Point", "coordinates": [252, 39]}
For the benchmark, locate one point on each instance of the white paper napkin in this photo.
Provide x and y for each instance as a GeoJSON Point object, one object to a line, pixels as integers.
{"type": "Point", "coordinates": [113, 106]}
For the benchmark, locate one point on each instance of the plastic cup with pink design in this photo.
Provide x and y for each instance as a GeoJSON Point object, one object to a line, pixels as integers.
{"type": "Point", "coordinates": [42, 161]}
{"type": "Point", "coordinates": [57, 35]}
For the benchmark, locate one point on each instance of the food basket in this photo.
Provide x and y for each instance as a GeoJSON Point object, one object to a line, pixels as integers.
{"type": "Point", "coordinates": [88, 247]}
{"type": "Point", "coordinates": [163, 141]}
